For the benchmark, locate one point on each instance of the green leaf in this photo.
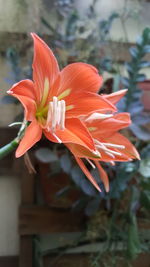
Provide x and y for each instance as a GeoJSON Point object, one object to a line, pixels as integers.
{"type": "Point", "coordinates": [144, 64]}
{"type": "Point", "coordinates": [65, 163]}
{"type": "Point", "coordinates": [140, 78]}
{"type": "Point", "coordinates": [139, 40]}
{"type": "Point", "coordinates": [116, 82]}
{"type": "Point", "coordinates": [92, 206]}
{"type": "Point", "coordinates": [140, 132]}
{"type": "Point", "coordinates": [133, 243]}
{"type": "Point", "coordinates": [146, 49]}
{"type": "Point", "coordinates": [146, 34]}
{"type": "Point", "coordinates": [113, 16]}
{"type": "Point", "coordinates": [46, 155]}
{"type": "Point", "coordinates": [37, 252]}
{"type": "Point", "coordinates": [77, 175]}
{"type": "Point", "coordinates": [125, 81]}
{"type": "Point", "coordinates": [145, 199]}
{"type": "Point", "coordinates": [87, 187]}
{"type": "Point", "coordinates": [145, 167]}
{"type": "Point", "coordinates": [47, 25]}
{"type": "Point", "coordinates": [133, 51]}
{"type": "Point", "coordinates": [63, 191]}
{"type": "Point", "coordinates": [145, 185]}
{"type": "Point", "coordinates": [129, 67]}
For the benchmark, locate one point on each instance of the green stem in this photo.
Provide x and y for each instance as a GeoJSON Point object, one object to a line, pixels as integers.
{"type": "Point", "coordinates": [5, 150]}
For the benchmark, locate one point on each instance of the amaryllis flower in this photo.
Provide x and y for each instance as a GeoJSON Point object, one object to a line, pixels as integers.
{"type": "Point", "coordinates": [55, 100]}
{"type": "Point", "coordinates": [111, 145]}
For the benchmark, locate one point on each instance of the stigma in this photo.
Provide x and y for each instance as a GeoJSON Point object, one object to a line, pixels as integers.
{"type": "Point", "coordinates": [56, 115]}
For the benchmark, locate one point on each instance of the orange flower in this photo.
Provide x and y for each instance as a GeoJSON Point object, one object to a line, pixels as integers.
{"type": "Point", "coordinates": [55, 100]}
{"type": "Point", "coordinates": [111, 145]}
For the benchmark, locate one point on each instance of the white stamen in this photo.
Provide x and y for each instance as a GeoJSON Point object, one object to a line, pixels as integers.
{"type": "Point", "coordinates": [62, 120]}
{"type": "Point", "coordinates": [59, 113]}
{"type": "Point", "coordinates": [91, 163]}
{"type": "Point", "coordinates": [14, 124]}
{"type": "Point", "coordinates": [112, 163]}
{"type": "Point", "coordinates": [110, 154]}
{"type": "Point", "coordinates": [57, 138]}
{"type": "Point", "coordinates": [114, 145]}
{"type": "Point", "coordinates": [107, 150]}
{"type": "Point", "coordinates": [97, 116]}
{"type": "Point", "coordinates": [96, 153]}
{"type": "Point", "coordinates": [56, 115]}
{"type": "Point", "coordinates": [54, 120]}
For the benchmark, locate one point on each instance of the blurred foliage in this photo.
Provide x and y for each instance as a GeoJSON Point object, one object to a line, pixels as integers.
{"type": "Point", "coordinates": [132, 101]}
{"type": "Point", "coordinates": [129, 197]}
{"type": "Point", "coordinates": [81, 39]}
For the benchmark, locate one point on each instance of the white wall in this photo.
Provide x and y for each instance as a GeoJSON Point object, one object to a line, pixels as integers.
{"type": "Point", "coordinates": [19, 15]}
{"type": "Point", "coordinates": [9, 202]}
{"type": "Point", "coordinates": [138, 10]}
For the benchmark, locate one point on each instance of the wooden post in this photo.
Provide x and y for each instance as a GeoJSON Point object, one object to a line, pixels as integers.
{"type": "Point", "coordinates": [27, 198]}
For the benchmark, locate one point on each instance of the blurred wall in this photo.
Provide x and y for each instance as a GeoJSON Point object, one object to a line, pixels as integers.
{"type": "Point", "coordinates": [138, 11]}
{"type": "Point", "coordinates": [9, 202]}
{"type": "Point", "coordinates": [19, 15]}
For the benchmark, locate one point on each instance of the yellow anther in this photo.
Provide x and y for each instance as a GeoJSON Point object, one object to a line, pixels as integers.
{"type": "Point", "coordinates": [64, 94]}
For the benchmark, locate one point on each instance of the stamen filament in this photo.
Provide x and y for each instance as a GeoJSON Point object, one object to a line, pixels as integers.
{"type": "Point", "coordinates": [110, 154]}
{"type": "Point", "coordinates": [59, 112]}
{"type": "Point", "coordinates": [96, 153]}
{"type": "Point", "coordinates": [114, 145]}
{"type": "Point", "coordinates": [107, 150]}
{"type": "Point", "coordinates": [97, 116]}
{"type": "Point", "coordinates": [54, 120]}
{"type": "Point", "coordinates": [112, 163]}
{"type": "Point", "coordinates": [91, 163]}
{"type": "Point", "coordinates": [62, 120]}
{"type": "Point", "coordinates": [58, 139]}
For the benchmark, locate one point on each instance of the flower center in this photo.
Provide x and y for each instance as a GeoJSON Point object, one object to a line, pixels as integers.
{"type": "Point", "coordinates": [56, 115]}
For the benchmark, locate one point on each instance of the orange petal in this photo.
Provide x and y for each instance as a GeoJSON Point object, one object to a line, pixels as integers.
{"type": "Point", "coordinates": [87, 173]}
{"type": "Point", "coordinates": [23, 88]}
{"type": "Point", "coordinates": [86, 103]}
{"type": "Point", "coordinates": [120, 158]}
{"type": "Point", "coordinates": [45, 66]}
{"type": "Point", "coordinates": [107, 127]}
{"type": "Point", "coordinates": [80, 77]}
{"type": "Point", "coordinates": [75, 132]}
{"type": "Point", "coordinates": [103, 176]}
{"type": "Point", "coordinates": [24, 92]}
{"type": "Point", "coordinates": [115, 97]}
{"type": "Point", "coordinates": [82, 152]}
{"type": "Point", "coordinates": [32, 135]}
{"type": "Point", "coordinates": [29, 106]}
{"type": "Point", "coordinates": [129, 151]}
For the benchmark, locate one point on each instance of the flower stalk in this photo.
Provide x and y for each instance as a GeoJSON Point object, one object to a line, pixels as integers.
{"type": "Point", "coordinates": [7, 149]}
